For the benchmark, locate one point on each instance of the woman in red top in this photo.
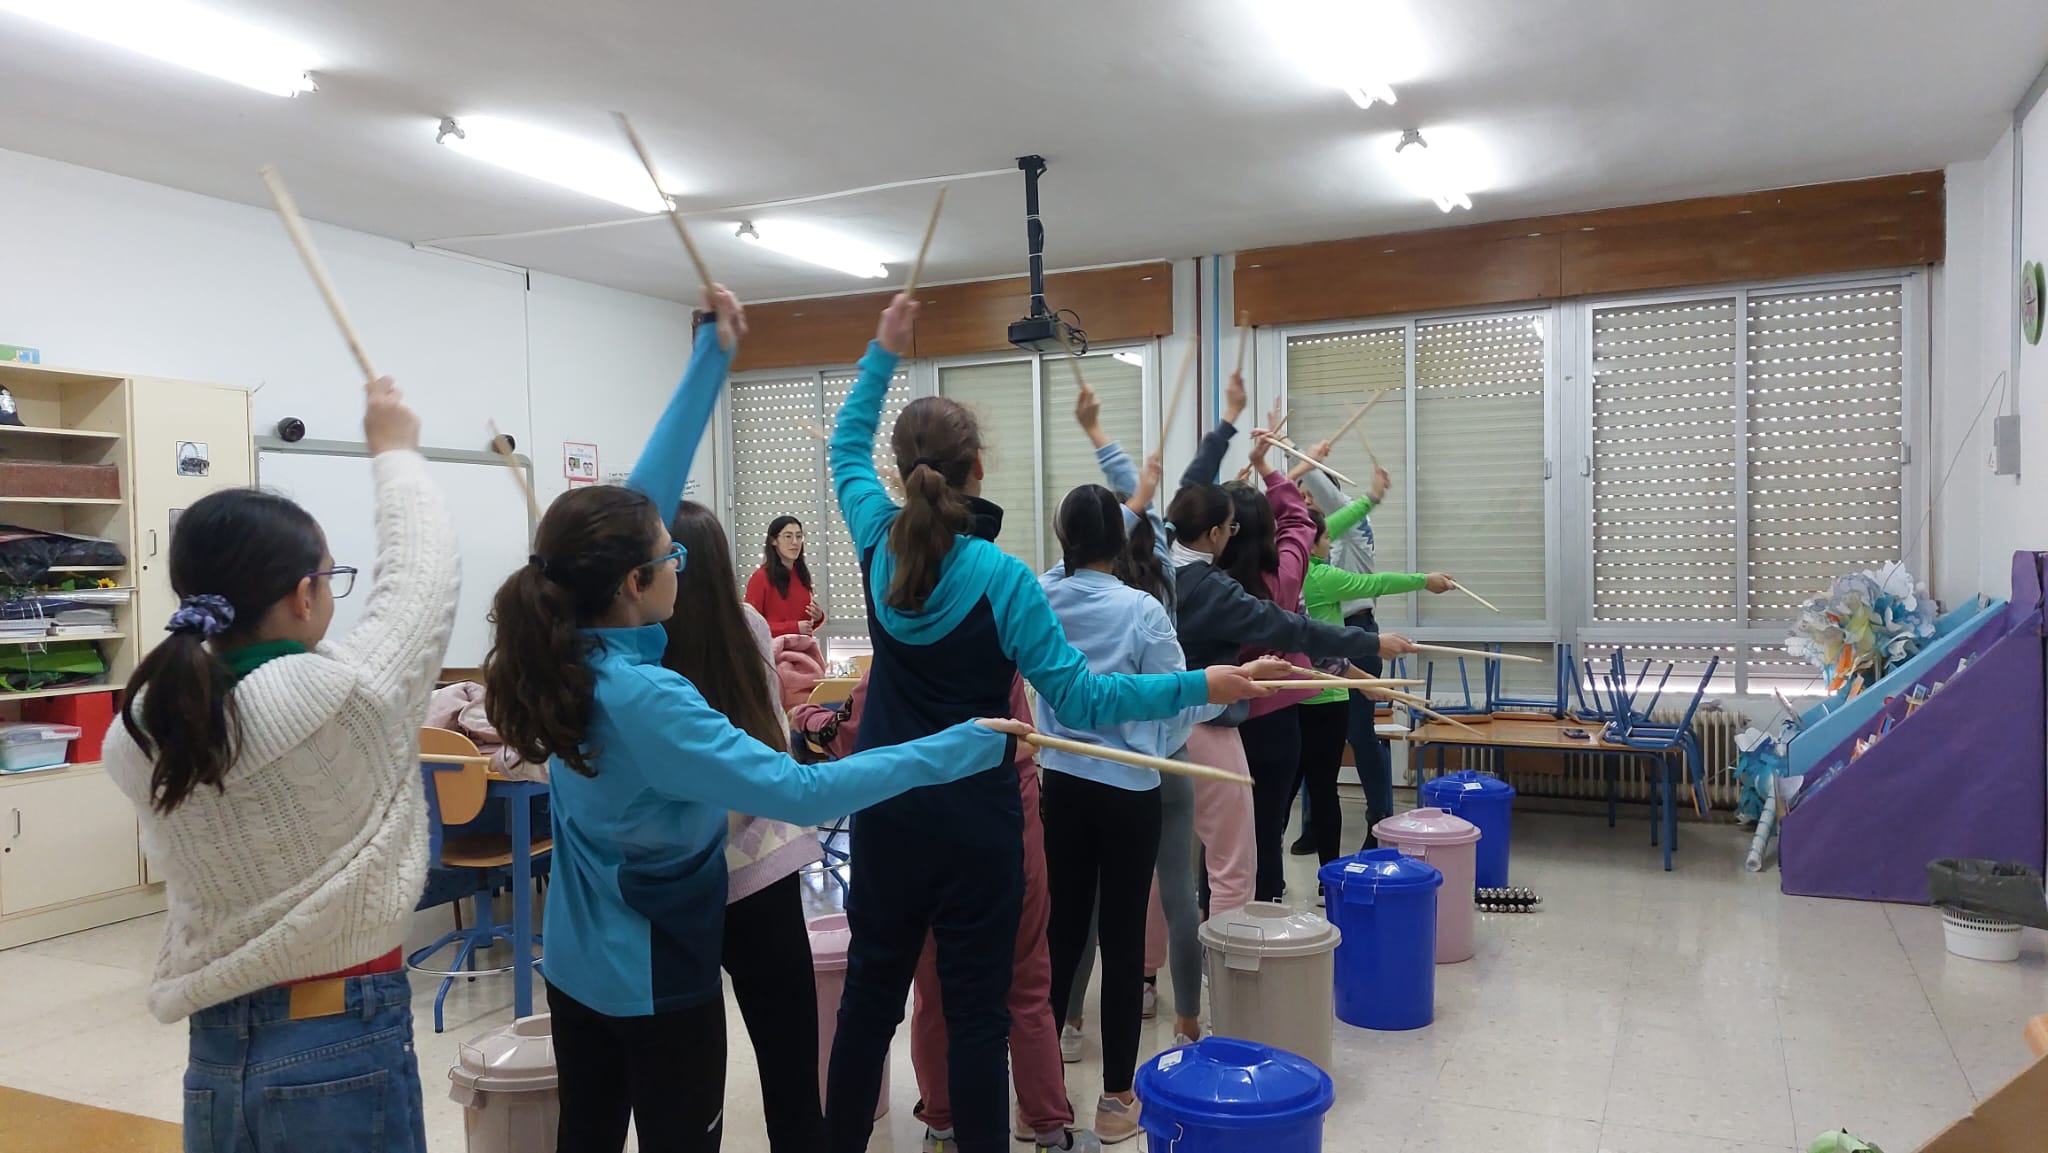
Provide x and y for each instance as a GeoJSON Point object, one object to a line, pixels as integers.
{"type": "Point", "coordinates": [780, 590]}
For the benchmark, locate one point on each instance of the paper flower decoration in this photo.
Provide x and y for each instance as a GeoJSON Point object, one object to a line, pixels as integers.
{"type": "Point", "coordinates": [1868, 622]}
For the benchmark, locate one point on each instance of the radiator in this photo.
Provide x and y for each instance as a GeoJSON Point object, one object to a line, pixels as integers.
{"type": "Point", "coordinates": [1581, 777]}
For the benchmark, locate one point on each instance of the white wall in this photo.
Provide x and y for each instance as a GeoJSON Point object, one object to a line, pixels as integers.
{"type": "Point", "coordinates": [105, 273]}
{"type": "Point", "coordinates": [2015, 513]}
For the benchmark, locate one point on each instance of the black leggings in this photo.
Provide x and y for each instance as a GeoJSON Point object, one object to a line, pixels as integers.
{"type": "Point", "coordinates": [768, 959]}
{"type": "Point", "coordinates": [1322, 753]}
{"type": "Point", "coordinates": [1101, 841]}
{"type": "Point", "coordinates": [1272, 749]}
{"type": "Point", "coordinates": [665, 1071]}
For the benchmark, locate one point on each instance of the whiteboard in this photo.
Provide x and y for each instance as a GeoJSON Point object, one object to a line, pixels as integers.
{"type": "Point", "coordinates": [486, 505]}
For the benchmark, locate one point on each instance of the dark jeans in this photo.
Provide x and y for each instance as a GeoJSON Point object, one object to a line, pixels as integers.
{"type": "Point", "coordinates": [1323, 729]}
{"type": "Point", "coordinates": [665, 1071]}
{"type": "Point", "coordinates": [1373, 756]}
{"type": "Point", "coordinates": [768, 959]}
{"type": "Point", "coordinates": [1101, 841]}
{"type": "Point", "coordinates": [258, 1081]}
{"type": "Point", "coordinates": [948, 860]}
{"type": "Point", "coordinates": [1272, 750]}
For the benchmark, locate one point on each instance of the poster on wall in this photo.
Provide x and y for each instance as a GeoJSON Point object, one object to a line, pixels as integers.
{"type": "Point", "coordinates": [579, 463]}
{"type": "Point", "coordinates": [194, 458]}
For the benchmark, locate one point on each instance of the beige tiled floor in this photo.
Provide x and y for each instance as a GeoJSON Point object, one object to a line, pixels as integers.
{"type": "Point", "coordinates": [1695, 1012]}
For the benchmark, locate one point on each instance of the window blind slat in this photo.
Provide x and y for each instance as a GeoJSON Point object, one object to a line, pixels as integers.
{"type": "Point", "coordinates": [1069, 457]}
{"type": "Point", "coordinates": [1000, 397]}
{"type": "Point", "coordinates": [777, 468]}
{"type": "Point", "coordinates": [846, 600]}
{"type": "Point", "coordinates": [1328, 377]}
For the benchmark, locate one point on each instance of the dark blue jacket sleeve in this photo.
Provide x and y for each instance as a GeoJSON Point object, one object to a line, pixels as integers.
{"type": "Point", "coordinates": [1209, 458]}
{"type": "Point", "coordinates": [664, 465]}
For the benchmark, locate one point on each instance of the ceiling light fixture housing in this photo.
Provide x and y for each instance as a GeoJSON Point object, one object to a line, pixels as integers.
{"type": "Point", "coordinates": [564, 161]}
{"type": "Point", "coordinates": [1429, 171]}
{"type": "Point", "coordinates": [185, 34]}
{"type": "Point", "coordinates": [817, 246]}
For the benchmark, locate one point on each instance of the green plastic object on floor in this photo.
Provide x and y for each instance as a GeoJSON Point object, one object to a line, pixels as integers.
{"type": "Point", "coordinates": [1841, 1142]}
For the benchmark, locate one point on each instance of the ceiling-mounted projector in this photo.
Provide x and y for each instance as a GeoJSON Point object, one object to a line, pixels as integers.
{"type": "Point", "coordinates": [1044, 330]}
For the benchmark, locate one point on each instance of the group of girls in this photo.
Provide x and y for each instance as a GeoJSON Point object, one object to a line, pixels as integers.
{"type": "Point", "coordinates": [276, 776]}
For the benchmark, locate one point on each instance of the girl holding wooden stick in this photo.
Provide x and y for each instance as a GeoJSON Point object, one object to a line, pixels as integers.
{"type": "Point", "coordinates": [645, 773]}
{"type": "Point", "coordinates": [953, 620]}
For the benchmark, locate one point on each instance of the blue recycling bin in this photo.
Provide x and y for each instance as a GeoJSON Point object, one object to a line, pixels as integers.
{"type": "Point", "coordinates": [1486, 801]}
{"type": "Point", "coordinates": [1221, 1095]}
{"type": "Point", "coordinates": [1384, 902]}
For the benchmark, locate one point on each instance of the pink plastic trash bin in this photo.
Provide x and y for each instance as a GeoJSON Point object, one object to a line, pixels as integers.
{"type": "Point", "coordinates": [829, 940]}
{"type": "Point", "coordinates": [1452, 845]}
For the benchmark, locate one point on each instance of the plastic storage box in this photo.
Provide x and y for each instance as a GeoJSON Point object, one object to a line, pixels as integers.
{"type": "Point", "coordinates": [34, 746]}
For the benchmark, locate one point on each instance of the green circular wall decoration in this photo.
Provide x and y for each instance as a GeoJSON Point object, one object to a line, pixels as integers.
{"type": "Point", "coordinates": [2033, 295]}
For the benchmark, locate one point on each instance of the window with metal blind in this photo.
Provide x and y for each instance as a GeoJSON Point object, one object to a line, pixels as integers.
{"type": "Point", "coordinates": [1328, 377]}
{"type": "Point", "coordinates": [1663, 451]}
{"type": "Point", "coordinates": [1826, 417]}
{"type": "Point", "coordinates": [1001, 396]}
{"type": "Point", "coordinates": [1480, 504]}
{"type": "Point", "coordinates": [1119, 382]}
{"type": "Point", "coordinates": [778, 468]}
{"type": "Point", "coordinates": [846, 599]}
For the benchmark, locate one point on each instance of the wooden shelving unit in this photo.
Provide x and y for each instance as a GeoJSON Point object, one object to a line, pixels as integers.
{"type": "Point", "coordinates": [72, 858]}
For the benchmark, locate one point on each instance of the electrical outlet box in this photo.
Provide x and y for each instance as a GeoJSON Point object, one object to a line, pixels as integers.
{"type": "Point", "coordinates": [2005, 445]}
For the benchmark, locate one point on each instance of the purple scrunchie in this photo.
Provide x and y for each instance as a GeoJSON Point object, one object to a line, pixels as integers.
{"type": "Point", "coordinates": [209, 616]}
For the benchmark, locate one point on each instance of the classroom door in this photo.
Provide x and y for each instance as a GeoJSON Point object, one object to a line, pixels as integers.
{"type": "Point", "coordinates": [187, 440]}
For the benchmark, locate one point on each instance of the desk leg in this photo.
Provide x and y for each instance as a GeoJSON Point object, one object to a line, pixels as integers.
{"type": "Point", "coordinates": [522, 903]}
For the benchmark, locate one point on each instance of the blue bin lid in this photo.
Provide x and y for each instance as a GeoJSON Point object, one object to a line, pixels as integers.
{"type": "Point", "coordinates": [1223, 1081]}
{"type": "Point", "coordinates": [1468, 782]}
{"type": "Point", "coordinates": [1380, 870]}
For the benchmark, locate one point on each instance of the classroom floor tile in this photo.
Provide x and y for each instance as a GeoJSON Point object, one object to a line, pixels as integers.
{"type": "Point", "coordinates": [1692, 1012]}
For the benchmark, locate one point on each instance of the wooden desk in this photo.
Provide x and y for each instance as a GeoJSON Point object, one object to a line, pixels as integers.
{"type": "Point", "coordinates": [1546, 734]}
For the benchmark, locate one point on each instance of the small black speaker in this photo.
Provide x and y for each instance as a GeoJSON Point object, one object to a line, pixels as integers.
{"type": "Point", "coordinates": [291, 430]}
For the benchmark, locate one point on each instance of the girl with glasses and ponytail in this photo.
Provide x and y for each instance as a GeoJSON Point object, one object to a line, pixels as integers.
{"type": "Point", "coordinates": [953, 620]}
{"type": "Point", "coordinates": [644, 774]}
{"type": "Point", "coordinates": [277, 780]}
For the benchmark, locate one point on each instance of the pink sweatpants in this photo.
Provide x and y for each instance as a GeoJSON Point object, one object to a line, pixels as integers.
{"type": "Point", "coordinates": [1035, 1064]}
{"type": "Point", "coordinates": [1223, 821]}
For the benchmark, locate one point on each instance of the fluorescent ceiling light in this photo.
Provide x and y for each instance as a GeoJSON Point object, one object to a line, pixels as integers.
{"type": "Point", "coordinates": [1362, 47]}
{"type": "Point", "coordinates": [815, 246]}
{"type": "Point", "coordinates": [184, 34]}
{"type": "Point", "coordinates": [574, 164]}
{"type": "Point", "coordinates": [1430, 172]}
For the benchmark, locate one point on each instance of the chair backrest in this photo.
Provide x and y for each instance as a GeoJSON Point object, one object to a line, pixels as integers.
{"type": "Point", "coordinates": [458, 787]}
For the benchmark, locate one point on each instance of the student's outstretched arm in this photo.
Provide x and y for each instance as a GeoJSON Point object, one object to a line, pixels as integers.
{"type": "Point", "coordinates": [664, 465]}
{"type": "Point", "coordinates": [862, 500]}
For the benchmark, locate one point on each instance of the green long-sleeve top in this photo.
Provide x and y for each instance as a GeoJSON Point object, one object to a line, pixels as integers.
{"type": "Point", "coordinates": [1326, 587]}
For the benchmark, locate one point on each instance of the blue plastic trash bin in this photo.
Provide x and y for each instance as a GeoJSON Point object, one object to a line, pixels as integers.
{"type": "Point", "coordinates": [1384, 902]}
{"type": "Point", "coordinates": [1220, 1095]}
{"type": "Point", "coordinates": [1486, 801]}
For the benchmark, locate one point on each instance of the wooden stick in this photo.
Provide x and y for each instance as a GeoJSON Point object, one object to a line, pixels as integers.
{"type": "Point", "coordinates": [674, 217]}
{"type": "Point", "coordinates": [1283, 446]}
{"type": "Point", "coordinates": [455, 759]}
{"type": "Point", "coordinates": [1318, 674]}
{"type": "Point", "coordinates": [1475, 596]}
{"type": "Point", "coordinates": [1359, 415]}
{"type": "Point", "coordinates": [295, 227]}
{"type": "Point", "coordinates": [1244, 332]}
{"type": "Point", "coordinates": [1180, 388]}
{"type": "Point", "coordinates": [504, 450]}
{"type": "Point", "coordinates": [815, 429]}
{"type": "Point", "coordinates": [1449, 651]}
{"type": "Point", "coordinates": [1354, 682]}
{"type": "Point", "coordinates": [1420, 705]}
{"type": "Point", "coordinates": [1369, 453]}
{"type": "Point", "coordinates": [1140, 760]}
{"type": "Point", "coordinates": [931, 226]}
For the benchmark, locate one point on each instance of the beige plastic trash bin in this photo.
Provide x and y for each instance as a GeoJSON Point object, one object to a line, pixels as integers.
{"type": "Point", "coordinates": [1272, 978]}
{"type": "Point", "coordinates": [505, 1082]}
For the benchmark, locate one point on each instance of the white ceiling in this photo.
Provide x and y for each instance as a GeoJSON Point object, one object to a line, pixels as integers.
{"type": "Point", "coordinates": [1173, 127]}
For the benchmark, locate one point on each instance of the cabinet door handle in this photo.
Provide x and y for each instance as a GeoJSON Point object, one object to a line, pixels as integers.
{"type": "Point", "coordinates": [17, 824]}
{"type": "Point", "coordinates": [152, 542]}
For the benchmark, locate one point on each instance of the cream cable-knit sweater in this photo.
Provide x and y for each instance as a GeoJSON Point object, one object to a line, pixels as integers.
{"type": "Point", "coordinates": [313, 857]}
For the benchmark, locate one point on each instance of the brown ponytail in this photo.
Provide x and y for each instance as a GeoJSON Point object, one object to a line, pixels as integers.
{"type": "Point", "coordinates": [937, 444]}
{"type": "Point", "coordinates": [537, 677]}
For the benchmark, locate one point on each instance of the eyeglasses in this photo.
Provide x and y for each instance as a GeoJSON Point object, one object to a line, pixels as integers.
{"type": "Point", "coordinates": [341, 580]}
{"type": "Point", "coordinates": [793, 536]}
{"type": "Point", "coordinates": [1234, 526]}
{"type": "Point", "coordinates": [673, 558]}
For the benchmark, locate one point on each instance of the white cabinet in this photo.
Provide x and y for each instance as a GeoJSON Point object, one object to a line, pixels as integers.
{"type": "Point", "coordinates": [65, 838]}
{"type": "Point", "coordinates": [187, 440]}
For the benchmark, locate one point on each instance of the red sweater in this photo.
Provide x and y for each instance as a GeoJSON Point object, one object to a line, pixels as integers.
{"type": "Point", "coordinates": [784, 613]}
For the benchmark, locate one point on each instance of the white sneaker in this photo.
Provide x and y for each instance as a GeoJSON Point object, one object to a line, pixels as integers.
{"type": "Point", "coordinates": [1070, 1045]}
{"type": "Point", "coordinates": [935, 1143]}
{"type": "Point", "coordinates": [1150, 1001]}
{"type": "Point", "coordinates": [1115, 1122]}
{"type": "Point", "coordinates": [1182, 1040]}
{"type": "Point", "coordinates": [1078, 1141]}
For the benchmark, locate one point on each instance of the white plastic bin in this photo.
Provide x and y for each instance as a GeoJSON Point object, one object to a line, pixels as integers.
{"type": "Point", "coordinates": [505, 1082]}
{"type": "Point", "coordinates": [1272, 978]}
